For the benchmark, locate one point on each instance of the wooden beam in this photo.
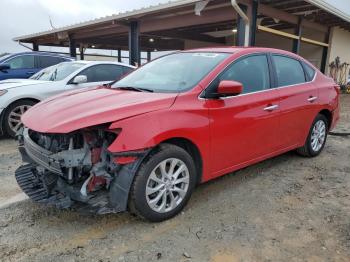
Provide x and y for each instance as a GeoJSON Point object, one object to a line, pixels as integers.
{"type": "Point", "coordinates": [209, 16]}
{"type": "Point", "coordinates": [314, 42]}
{"type": "Point", "coordinates": [291, 36]}
{"type": "Point", "coordinates": [188, 36]}
{"type": "Point", "coordinates": [171, 44]}
{"type": "Point", "coordinates": [277, 32]}
{"type": "Point", "coordinates": [97, 33]}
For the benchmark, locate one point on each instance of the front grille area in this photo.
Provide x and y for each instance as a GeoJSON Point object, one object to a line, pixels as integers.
{"type": "Point", "coordinates": [40, 155]}
{"type": "Point", "coordinates": [56, 142]}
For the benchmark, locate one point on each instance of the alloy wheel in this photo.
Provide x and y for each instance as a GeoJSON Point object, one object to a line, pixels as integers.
{"type": "Point", "coordinates": [318, 135]}
{"type": "Point", "coordinates": [14, 118]}
{"type": "Point", "coordinates": [167, 185]}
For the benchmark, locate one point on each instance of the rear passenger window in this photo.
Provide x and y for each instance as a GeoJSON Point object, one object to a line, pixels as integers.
{"type": "Point", "coordinates": [289, 71]}
{"type": "Point", "coordinates": [252, 72]}
{"type": "Point", "coordinates": [46, 61]}
{"type": "Point", "coordinates": [310, 72]}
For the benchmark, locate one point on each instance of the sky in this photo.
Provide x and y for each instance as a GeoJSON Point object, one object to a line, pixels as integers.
{"type": "Point", "coordinates": [22, 17]}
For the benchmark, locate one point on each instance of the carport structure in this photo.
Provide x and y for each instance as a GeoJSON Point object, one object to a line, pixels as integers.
{"type": "Point", "coordinates": [295, 25]}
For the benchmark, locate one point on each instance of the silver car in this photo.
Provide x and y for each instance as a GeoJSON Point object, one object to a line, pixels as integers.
{"type": "Point", "coordinates": [18, 95]}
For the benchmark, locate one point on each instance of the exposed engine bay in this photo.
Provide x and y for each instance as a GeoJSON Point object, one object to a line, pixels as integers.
{"type": "Point", "coordinates": [76, 170]}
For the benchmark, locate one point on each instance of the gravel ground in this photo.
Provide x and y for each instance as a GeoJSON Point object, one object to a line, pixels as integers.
{"type": "Point", "coordinates": [287, 208]}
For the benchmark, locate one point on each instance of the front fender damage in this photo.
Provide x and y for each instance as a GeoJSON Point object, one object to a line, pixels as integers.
{"type": "Point", "coordinates": [76, 171]}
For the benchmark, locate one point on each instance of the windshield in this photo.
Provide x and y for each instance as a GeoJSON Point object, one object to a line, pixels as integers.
{"type": "Point", "coordinates": [173, 73]}
{"type": "Point", "coordinates": [57, 72]}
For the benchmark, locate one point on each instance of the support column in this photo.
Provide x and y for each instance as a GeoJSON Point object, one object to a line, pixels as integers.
{"type": "Point", "coordinates": [134, 43]}
{"type": "Point", "coordinates": [149, 58]}
{"type": "Point", "coordinates": [325, 52]}
{"type": "Point", "coordinates": [35, 47]}
{"type": "Point", "coordinates": [254, 16]}
{"type": "Point", "coordinates": [297, 42]}
{"type": "Point", "coordinates": [240, 27]}
{"type": "Point", "coordinates": [81, 51]}
{"type": "Point", "coordinates": [72, 47]}
{"type": "Point", "coordinates": [119, 55]}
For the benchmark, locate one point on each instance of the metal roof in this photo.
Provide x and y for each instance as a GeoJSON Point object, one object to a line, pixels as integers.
{"type": "Point", "coordinates": [325, 5]}
{"type": "Point", "coordinates": [120, 16]}
{"type": "Point", "coordinates": [138, 13]}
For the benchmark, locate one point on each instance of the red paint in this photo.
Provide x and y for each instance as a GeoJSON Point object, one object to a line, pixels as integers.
{"type": "Point", "coordinates": [230, 87]}
{"type": "Point", "coordinates": [96, 182]}
{"type": "Point", "coordinates": [123, 160]}
{"type": "Point", "coordinates": [96, 155]}
{"type": "Point", "coordinates": [229, 133]}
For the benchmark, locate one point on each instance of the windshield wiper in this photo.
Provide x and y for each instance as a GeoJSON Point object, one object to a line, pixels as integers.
{"type": "Point", "coordinates": [138, 89]}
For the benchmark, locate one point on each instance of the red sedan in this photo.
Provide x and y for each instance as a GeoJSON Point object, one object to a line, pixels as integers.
{"type": "Point", "coordinates": [143, 143]}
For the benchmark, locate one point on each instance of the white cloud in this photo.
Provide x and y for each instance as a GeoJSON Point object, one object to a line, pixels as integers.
{"type": "Point", "coordinates": [22, 17]}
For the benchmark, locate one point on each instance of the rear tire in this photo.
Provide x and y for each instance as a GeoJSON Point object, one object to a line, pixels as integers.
{"type": "Point", "coordinates": [163, 184]}
{"type": "Point", "coordinates": [13, 113]}
{"type": "Point", "coordinates": [316, 139]}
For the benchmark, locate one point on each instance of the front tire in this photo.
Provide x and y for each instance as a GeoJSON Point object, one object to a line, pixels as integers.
{"type": "Point", "coordinates": [13, 114]}
{"type": "Point", "coordinates": [163, 184]}
{"type": "Point", "coordinates": [316, 139]}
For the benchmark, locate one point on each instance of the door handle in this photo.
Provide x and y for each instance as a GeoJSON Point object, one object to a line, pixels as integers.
{"type": "Point", "coordinates": [271, 108]}
{"type": "Point", "coordinates": [312, 98]}
{"type": "Point", "coordinates": [30, 73]}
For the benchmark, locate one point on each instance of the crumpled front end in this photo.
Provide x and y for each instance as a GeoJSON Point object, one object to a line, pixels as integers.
{"type": "Point", "coordinates": [77, 170]}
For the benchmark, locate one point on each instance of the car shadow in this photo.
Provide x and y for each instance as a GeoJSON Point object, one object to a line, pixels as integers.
{"type": "Point", "coordinates": [210, 189]}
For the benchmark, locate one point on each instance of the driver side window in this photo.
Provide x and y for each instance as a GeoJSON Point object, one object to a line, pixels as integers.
{"type": "Point", "coordinates": [252, 72]}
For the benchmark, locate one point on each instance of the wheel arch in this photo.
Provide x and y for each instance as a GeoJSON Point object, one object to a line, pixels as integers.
{"type": "Point", "coordinates": [2, 116]}
{"type": "Point", "coordinates": [328, 114]}
{"type": "Point", "coordinates": [35, 100]}
{"type": "Point", "coordinates": [191, 148]}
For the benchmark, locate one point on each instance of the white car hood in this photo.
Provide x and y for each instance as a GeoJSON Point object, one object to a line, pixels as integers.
{"type": "Point", "coordinates": [12, 83]}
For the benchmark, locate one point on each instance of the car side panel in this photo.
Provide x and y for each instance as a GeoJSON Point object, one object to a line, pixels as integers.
{"type": "Point", "coordinates": [18, 73]}
{"type": "Point", "coordinates": [187, 118]}
{"type": "Point", "coordinates": [297, 113]}
{"type": "Point", "coordinates": [328, 93]}
{"type": "Point", "coordinates": [242, 129]}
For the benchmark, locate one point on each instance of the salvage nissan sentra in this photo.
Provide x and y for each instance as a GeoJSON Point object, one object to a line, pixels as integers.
{"type": "Point", "coordinates": [144, 142]}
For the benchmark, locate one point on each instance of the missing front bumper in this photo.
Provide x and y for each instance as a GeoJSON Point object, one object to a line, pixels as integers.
{"type": "Point", "coordinates": [45, 181]}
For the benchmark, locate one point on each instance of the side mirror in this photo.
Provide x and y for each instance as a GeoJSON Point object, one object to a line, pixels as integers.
{"type": "Point", "coordinates": [229, 88]}
{"type": "Point", "coordinates": [79, 79]}
{"type": "Point", "coordinates": [5, 67]}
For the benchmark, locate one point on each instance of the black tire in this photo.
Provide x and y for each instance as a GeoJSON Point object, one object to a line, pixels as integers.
{"type": "Point", "coordinates": [9, 109]}
{"type": "Point", "coordinates": [137, 198]}
{"type": "Point", "coordinates": [307, 149]}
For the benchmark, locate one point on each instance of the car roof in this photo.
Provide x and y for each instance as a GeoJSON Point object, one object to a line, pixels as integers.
{"type": "Point", "coordinates": [41, 53]}
{"type": "Point", "coordinates": [237, 49]}
{"type": "Point", "coordinates": [103, 62]}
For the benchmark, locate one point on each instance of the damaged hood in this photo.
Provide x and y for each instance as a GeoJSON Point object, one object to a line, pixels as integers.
{"type": "Point", "coordinates": [75, 110]}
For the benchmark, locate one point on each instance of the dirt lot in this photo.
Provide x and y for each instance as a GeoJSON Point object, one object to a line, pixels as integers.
{"type": "Point", "coordinates": [285, 209]}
